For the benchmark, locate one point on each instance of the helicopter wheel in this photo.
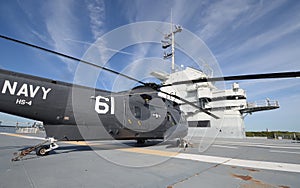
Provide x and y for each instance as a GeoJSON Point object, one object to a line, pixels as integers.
{"type": "Point", "coordinates": [42, 151]}
{"type": "Point", "coordinates": [182, 143]}
{"type": "Point", "coordinates": [141, 141]}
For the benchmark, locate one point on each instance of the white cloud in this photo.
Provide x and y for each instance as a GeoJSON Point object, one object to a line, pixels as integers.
{"type": "Point", "coordinates": [283, 57]}
{"type": "Point", "coordinates": [270, 87]}
{"type": "Point", "coordinates": [183, 11]}
{"type": "Point", "coordinates": [257, 10]}
{"type": "Point", "coordinates": [269, 36]}
{"type": "Point", "coordinates": [220, 15]}
{"type": "Point", "coordinates": [61, 24]}
{"type": "Point", "coordinates": [139, 69]}
{"type": "Point", "coordinates": [97, 17]}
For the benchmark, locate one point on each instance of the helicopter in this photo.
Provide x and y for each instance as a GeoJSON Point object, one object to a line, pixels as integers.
{"type": "Point", "coordinates": [74, 112]}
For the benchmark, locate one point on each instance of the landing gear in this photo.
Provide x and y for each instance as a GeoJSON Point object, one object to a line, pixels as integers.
{"type": "Point", "coordinates": [45, 149]}
{"type": "Point", "coordinates": [41, 149]}
{"type": "Point", "coordinates": [140, 141]}
{"type": "Point", "coordinates": [182, 143]}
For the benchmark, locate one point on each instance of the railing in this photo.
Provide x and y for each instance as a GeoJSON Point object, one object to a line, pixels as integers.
{"type": "Point", "coordinates": [264, 103]}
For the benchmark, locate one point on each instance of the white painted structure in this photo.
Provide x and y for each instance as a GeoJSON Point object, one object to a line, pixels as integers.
{"type": "Point", "coordinates": [228, 104]}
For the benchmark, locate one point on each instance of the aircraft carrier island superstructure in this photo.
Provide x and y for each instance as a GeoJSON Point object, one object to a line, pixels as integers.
{"type": "Point", "coordinates": [229, 104]}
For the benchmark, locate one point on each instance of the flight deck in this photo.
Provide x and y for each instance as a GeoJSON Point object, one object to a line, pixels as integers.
{"type": "Point", "coordinates": [206, 163]}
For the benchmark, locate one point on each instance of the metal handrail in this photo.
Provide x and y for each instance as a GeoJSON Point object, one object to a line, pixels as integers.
{"type": "Point", "coordinates": [264, 103]}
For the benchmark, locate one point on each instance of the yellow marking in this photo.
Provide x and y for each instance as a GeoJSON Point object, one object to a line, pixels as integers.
{"type": "Point", "coordinates": [12, 134]}
{"type": "Point", "coordinates": [82, 143]}
{"type": "Point", "coordinates": [131, 149]}
{"type": "Point", "coordinates": [150, 152]}
{"type": "Point", "coordinates": [22, 136]}
{"type": "Point", "coordinates": [79, 143]}
{"type": "Point", "coordinates": [140, 123]}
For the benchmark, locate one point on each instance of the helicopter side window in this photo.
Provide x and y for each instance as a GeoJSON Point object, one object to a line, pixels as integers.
{"type": "Point", "coordinates": [137, 112]}
{"type": "Point", "coordinates": [170, 118]}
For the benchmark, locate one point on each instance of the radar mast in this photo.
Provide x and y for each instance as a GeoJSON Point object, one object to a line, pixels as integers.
{"type": "Point", "coordinates": [169, 41]}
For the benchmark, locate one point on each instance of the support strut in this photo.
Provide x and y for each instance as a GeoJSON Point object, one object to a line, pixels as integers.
{"type": "Point", "coordinates": [40, 149]}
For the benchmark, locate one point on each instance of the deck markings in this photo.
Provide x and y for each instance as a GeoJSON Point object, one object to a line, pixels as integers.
{"type": "Point", "coordinates": [242, 163]}
{"type": "Point", "coordinates": [281, 151]}
{"type": "Point", "coordinates": [288, 167]}
{"type": "Point", "coordinates": [221, 146]}
{"type": "Point", "coordinates": [23, 136]}
{"type": "Point", "coordinates": [276, 166]}
{"type": "Point", "coordinates": [261, 145]}
{"type": "Point", "coordinates": [150, 152]}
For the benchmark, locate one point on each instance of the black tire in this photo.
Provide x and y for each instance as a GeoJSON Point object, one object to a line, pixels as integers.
{"type": "Point", "coordinates": [141, 141]}
{"type": "Point", "coordinates": [41, 151]}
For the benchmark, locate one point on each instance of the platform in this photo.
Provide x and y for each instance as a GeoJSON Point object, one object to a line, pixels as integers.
{"type": "Point", "coordinates": [213, 163]}
{"type": "Point", "coordinates": [260, 106]}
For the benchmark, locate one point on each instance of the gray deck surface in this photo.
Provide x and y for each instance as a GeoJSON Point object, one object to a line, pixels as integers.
{"type": "Point", "coordinates": [108, 164]}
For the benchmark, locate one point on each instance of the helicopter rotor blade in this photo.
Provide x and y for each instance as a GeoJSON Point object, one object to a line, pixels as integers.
{"type": "Point", "coordinates": [275, 75]}
{"type": "Point", "coordinates": [153, 86]}
{"type": "Point", "coordinates": [71, 57]}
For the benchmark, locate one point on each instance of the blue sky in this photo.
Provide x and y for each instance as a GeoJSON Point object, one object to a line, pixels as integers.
{"type": "Point", "coordinates": [244, 36]}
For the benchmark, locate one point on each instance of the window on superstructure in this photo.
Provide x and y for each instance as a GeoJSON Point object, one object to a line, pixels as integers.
{"type": "Point", "coordinates": [199, 123]}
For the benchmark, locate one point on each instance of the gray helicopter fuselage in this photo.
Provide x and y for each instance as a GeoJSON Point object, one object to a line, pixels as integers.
{"type": "Point", "coordinates": [76, 112]}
